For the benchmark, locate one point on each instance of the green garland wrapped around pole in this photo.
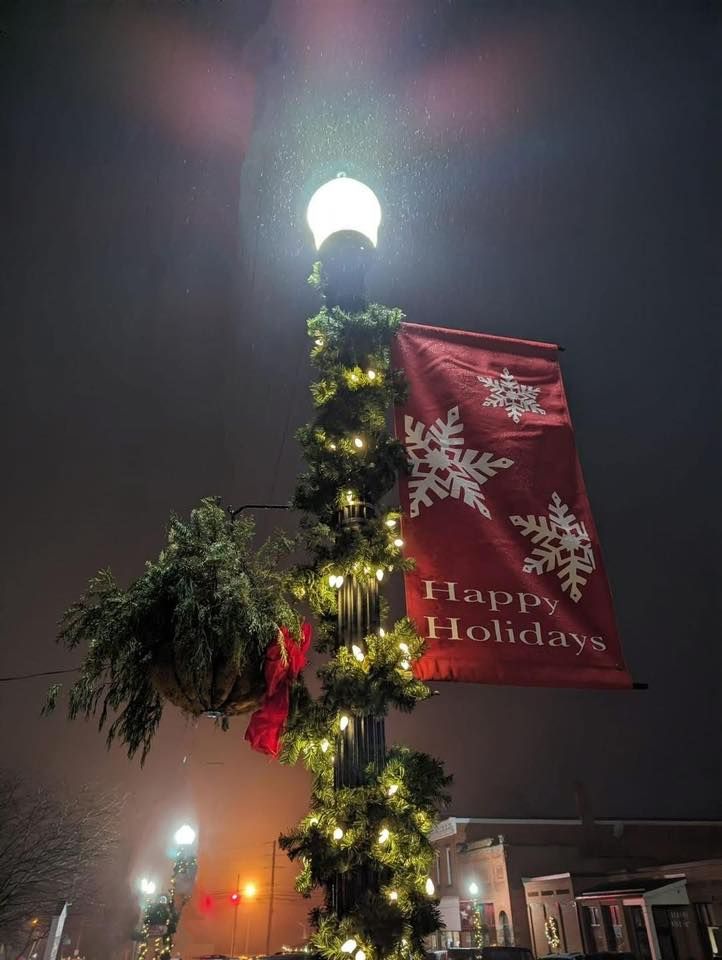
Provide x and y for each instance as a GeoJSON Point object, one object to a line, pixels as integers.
{"type": "Point", "coordinates": [365, 840]}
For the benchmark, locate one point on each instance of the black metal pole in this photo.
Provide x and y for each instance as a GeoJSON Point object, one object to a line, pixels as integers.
{"type": "Point", "coordinates": [362, 745]}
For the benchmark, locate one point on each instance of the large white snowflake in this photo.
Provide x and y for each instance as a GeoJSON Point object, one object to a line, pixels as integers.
{"type": "Point", "coordinates": [440, 467]}
{"type": "Point", "coordinates": [514, 397]}
{"type": "Point", "coordinates": [563, 545]}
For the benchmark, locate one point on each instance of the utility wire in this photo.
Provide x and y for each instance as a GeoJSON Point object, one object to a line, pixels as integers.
{"type": "Point", "coordinates": [42, 673]}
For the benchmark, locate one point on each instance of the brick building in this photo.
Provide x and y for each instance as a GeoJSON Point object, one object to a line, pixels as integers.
{"type": "Point", "coordinates": [481, 865]}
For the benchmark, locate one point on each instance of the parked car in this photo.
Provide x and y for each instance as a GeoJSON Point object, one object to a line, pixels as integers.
{"type": "Point", "coordinates": [506, 953]}
{"type": "Point", "coordinates": [564, 956]}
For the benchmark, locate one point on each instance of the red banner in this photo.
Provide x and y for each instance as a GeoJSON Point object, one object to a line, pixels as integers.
{"type": "Point", "coordinates": [509, 585]}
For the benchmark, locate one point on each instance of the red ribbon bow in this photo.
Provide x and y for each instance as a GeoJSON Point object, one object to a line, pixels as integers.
{"type": "Point", "coordinates": [284, 661]}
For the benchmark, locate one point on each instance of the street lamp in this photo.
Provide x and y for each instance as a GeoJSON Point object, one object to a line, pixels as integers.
{"type": "Point", "coordinates": [185, 836]}
{"type": "Point", "coordinates": [147, 887]}
{"type": "Point", "coordinates": [344, 216]}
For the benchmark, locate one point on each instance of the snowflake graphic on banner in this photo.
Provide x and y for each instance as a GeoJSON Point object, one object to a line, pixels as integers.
{"type": "Point", "coordinates": [441, 467]}
{"type": "Point", "coordinates": [514, 397]}
{"type": "Point", "coordinates": [563, 545]}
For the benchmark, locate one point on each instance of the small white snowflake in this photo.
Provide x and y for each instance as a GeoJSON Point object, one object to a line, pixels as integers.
{"type": "Point", "coordinates": [514, 397]}
{"type": "Point", "coordinates": [564, 546]}
{"type": "Point", "coordinates": [440, 466]}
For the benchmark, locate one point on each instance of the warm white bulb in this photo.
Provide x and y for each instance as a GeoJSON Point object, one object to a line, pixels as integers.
{"type": "Point", "coordinates": [324, 746]}
{"type": "Point", "coordinates": [405, 664]}
{"type": "Point", "coordinates": [393, 789]}
{"type": "Point", "coordinates": [349, 946]}
{"type": "Point", "coordinates": [332, 579]}
{"type": "Point", "coordinates": [404, 647]}
{"type": "Point", "coordinates": [371, 374]}
{"type": "Point", "coordinates": [393, 895]}
{"type": "Point", "coordinates": [429, 887]}
{"type": "Point", "coordinates": [337, 833]}
{"type": "Point", "coordinates": [358, 442]}
{"type": "Point", "coordinates": [343, 722]}
{"type": "Point", "coordinates": [360, 955]}
{"type": "Point", "coordinates": [332, 446]}
{"type": "Point", "coordinates": [384, 835]}
{"type": "Point", "coordinates": [358, 653]}
{"type": "Point", "coordinates": [185, 835]}
{"type": "Point", "coordinates": [344, 204]}
{"type": "Point", "coordinates": [319, 342]}
{"type": "Point", "coordinates": [382, 632]}
{"type": "Point", "coordinates": [398, 542]}
{"type": "Point", "coordinates": [391, 523]}
{"type": "Point", "coordinates": [379, 575]}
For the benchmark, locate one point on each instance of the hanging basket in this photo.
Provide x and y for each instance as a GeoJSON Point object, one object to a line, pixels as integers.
{"type": "Point", "coordinates": [192, 631]}
{"type": "Point", "coordinates": [221, 691]}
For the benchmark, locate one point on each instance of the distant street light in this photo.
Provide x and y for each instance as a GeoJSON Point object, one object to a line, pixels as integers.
{"type": "Point", "coordinates": [147, 887]}
{"type": "Point", "coordinates": [185, 836]}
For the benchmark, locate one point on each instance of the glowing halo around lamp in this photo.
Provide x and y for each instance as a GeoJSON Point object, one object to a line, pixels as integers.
{"type": "Point", "coordinates": [185, 835]}
{"type": "Point", "coordinates": [344, 204]}
{"type": "Point", "coordinates": [147, 886]}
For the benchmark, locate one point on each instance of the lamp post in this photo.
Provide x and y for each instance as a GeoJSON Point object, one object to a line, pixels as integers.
{"type": "Point", "coordinates": [476, 931]}
{"type": "Point", "coordinates": [344, 216]}
{"type": "Point", "coordinates": [249, 893]}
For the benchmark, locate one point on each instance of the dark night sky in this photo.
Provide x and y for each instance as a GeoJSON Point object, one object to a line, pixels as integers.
{"type": "Point", "coordinates": [547, 170]}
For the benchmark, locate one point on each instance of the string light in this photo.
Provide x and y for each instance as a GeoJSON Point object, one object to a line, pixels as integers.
{"type": "Point", "coordinates": [319, 341]}
{"type": "Point", "coordinates": [393, 896]}
{"type": "Point", "coordinates": [429, 887]}
{"type": "Point", "coordinates": [343, 722]}
{"type": "Point", "coordinates": [349, 496]}
{"type": "Point", "coordinates": [393, 789]}
{"type": "Point", "coordinates": [398, 542]}
{"type": "Point", "coordinates": [332, 446]}
{"type": "Point", "coordinates": [357, 652]}
{"type": "Point", "coordinates": [405, 664]}
{"type": "Point", "coordinates": [349, 946]}
{"type": "Point", "coordinates": [338, 835]}
{"type": "Point", "coordinates": [404, 647]}
{"type": "Point", "coordinates": [360, 955]}
{"type": "Point", "coordinates": [379, 575]}
{"type": "Point", "coordinates": [325, 745]}
{"type": "Point", "coordinates": [371, 374]}
{"type": "Point", "coordinates": [354, 377]}
{"type": "Point", "coordinates": [358, 443]}
{"type": "Point", "coordinates": [391, 523]}
{"type": "Point", "coordinates": [384, 835]}
{"type": "Point", "coordinates": [382, 632]}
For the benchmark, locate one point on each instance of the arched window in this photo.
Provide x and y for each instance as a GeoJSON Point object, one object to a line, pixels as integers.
{"type": "Point", "coordinates": [504, 929]}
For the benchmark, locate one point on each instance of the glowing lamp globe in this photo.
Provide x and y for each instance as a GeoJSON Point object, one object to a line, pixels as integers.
{"type": "Point", "coordinates": [342, 205]}
{"type": "Point", "coordinates": [185, 836]}
{"type": "Point", "coordinates": [147, 887]}
{"type": "Point", "coordinates": [473, 888]}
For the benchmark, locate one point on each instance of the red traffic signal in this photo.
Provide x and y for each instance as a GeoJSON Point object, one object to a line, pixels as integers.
{"type": "Point", "coordinates": [235, 898]}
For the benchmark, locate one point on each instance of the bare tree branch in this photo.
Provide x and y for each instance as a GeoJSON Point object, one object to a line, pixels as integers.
{"type": "Point", "coordinates": [51, 845]}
